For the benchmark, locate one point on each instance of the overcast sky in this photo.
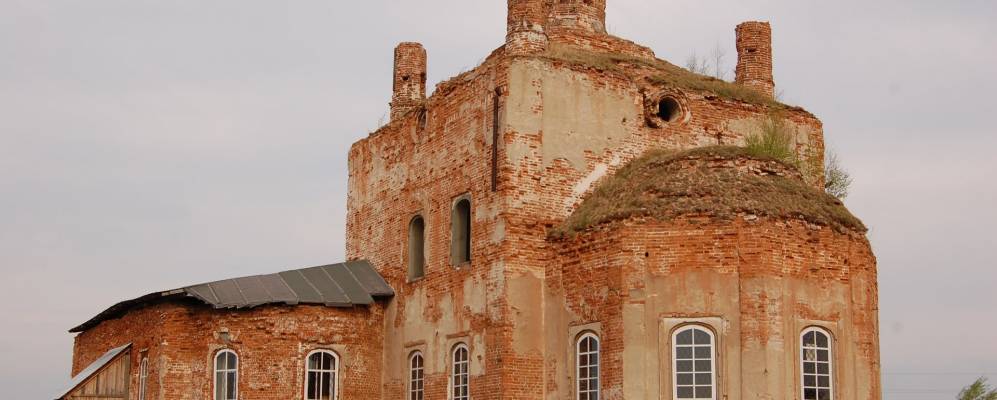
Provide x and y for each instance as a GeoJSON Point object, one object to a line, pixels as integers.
{"type": "Point", "coordinates": [147, 145]}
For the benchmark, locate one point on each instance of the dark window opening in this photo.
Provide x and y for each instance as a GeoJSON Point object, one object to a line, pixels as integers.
{"type": "Point", "coordinates": [416, 248]}
{"type": "Point", "coordinates": [460, 232]}
{"type": "Point", "coordinates": [669, 109]}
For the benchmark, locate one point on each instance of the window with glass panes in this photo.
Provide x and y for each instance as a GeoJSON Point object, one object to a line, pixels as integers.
{"type": "Point", "coordinates": [416, 377]}
{"type": "Point", "coordinates": [587, 368]}
{"type": "Point", "coordinates": [320, 375]}
{"type": "Point", "coordinates": [460, 373]}
{"type": "Point", "coordinates": [815, 352]}
{"type": "Point", "coordinates": [226, 375]}
{"type": "Point", "coordinates": [693, 363]}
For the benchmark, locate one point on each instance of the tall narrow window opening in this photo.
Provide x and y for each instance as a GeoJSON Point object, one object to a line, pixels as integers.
{"type": "Point", "coordinates": [460, 374]}
{"type": "Point", "coordinates": [416, 381]}
{"type": "Point", "coordinates": [587, 367]}
{"type": "Point", "coordinates": [321, 373]}
{"type": "Point", "coordinates": [460, 245]}
{"type": "Point", "coordinates": [226, 375]}
{"type": "Point", "coordinates": [816, 362]}
{"type": "Point", "coordinates": [416, 248]}
{"type": "Point", "coordinates": [143, 377]}
{"type": "Point", "coordinates": [495, 137]}
{"type": "Point", "coordinates": [694, 363]}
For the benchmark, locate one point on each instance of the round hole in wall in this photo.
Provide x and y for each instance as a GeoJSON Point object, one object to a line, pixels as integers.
{"type": "Point", "coordinates": [669, 109]}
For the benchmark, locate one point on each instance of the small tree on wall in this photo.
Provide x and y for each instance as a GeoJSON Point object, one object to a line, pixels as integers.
{"type": "Point", "coordinates": [836, 179]}
{"type": "Point", "coordinates": [979, 390]}
{"type": "Point", "coordinates": [773, 140]}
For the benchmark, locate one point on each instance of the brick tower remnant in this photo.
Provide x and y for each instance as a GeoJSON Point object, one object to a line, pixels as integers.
{"type": "Point", "coordinates": [409, 89]}
{"type": "Point", "coordinates": [754, 56]}
{"type": "Point", "coordinates": [585, 15]}
{"type": "Point", "coordinates": [525, 27]}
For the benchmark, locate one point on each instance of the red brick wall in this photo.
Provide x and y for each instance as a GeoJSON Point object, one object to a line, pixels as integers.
{"type": "Point", "coordinates": [272, 343]}
{"type": "Point", "coordinates": [696, 267]}
{"type": "Point", "coordinates": [422, 164]}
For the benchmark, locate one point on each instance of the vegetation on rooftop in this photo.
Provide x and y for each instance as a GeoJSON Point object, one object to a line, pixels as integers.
{"type": "Point", "coordinates": [665, 73]}
{"type": "Point", "coordinates": [657, 185]}
{"type": "Point", "coordinates": [774, 141]}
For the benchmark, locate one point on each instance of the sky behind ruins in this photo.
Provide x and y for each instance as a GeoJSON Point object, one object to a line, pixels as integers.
{"type": "Point", "coordinates": [146, 145]}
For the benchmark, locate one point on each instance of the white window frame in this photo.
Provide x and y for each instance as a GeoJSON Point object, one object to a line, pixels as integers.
{"type": "Point", "coordinates": [830, 360]}
{"type": "Point", "coordinates": [334, 371]}
{"type": "Point", "coordinates": [416, 385]}
{"type": "Point", "coordinates": [598, 365]}
{"type": "Point", "coordinates": [455, 374]}
{"type": "Point", "coordinates": [215, 371]}
{"type": "Point", "coordinates": [143, 376]}
{"type": "Point", "coordinates": [713, 359]}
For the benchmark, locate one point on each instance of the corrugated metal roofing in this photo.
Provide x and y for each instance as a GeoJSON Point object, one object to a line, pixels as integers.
{"type": "Point", "coordinates": [339, 285]}
{"type": "Point", "coordinates": [92, 369]}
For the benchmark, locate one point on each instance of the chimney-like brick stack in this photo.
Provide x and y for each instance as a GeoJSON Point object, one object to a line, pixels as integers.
{"type": "Point", "coordinates": [525, 22]}
{"type": "Point", "coordinates": [409, 89]}
{"type": "Point", "coordinates": [586, 15]}
{"type": "Point", "coordinates": [754, 56]}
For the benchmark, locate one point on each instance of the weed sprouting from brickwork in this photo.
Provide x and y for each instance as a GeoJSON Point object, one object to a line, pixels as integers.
{"type": "Point", "coordinates": [772, 141]}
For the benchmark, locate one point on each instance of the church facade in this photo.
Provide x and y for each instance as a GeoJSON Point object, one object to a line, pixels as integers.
{"type": "Point", "coordinates": [572, 219]}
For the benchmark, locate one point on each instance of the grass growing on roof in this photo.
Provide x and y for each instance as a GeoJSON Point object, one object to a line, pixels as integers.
{"type": "Point", "coordinates": [666, 74]}
{"type": "Point", "coordinates": [655, 185]}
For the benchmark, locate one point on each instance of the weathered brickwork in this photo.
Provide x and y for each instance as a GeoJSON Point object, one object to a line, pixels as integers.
{"type": "Point", "coordinates": [526, 137]}
{"type": "Point", "coordinates": [757, 282]}
{"type": "Point", "coordinates": [272, 342]}
{"type": "Point", "coordinates": [754, 56]}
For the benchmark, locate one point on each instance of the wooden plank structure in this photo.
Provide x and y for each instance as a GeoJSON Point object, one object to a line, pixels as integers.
{"type": "Point", "coordinates": [105, 379]}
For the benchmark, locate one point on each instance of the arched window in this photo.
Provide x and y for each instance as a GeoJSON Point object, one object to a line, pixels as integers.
{"type": "Point", "coordinates": [459, 374]}
{"type": "Point", "coordinates": [226, 375]}
{"type": "Point", "coordinates": [143, 376]}
{"type": "Point", "coordinates": [815, 354]}
{"type": "Point", "coordinates": [416, 248]}
{"type": "Point", "coordinates": [694, 363]}
{"type": "Point", "coordinates": [587, 367]}
{"type": "Point", "coordinates": [321, 375]}
{"type": "Point", "coordinates": [460, 232]}
{"type": "Point", "coordinates": [416, 376]}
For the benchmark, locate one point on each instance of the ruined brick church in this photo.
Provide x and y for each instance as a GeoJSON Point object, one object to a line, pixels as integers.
{"type": "Point", "coordinates": [572, 219]}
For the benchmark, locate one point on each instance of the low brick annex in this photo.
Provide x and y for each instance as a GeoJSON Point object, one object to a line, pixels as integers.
{"type": "Point", "coordinates": [572, 219]}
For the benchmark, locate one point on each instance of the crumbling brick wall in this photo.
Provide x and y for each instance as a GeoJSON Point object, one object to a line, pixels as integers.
{"type": "Point", "coordinates": [762, 280]}
{"type": "Point", "coordinates": [272, 342]}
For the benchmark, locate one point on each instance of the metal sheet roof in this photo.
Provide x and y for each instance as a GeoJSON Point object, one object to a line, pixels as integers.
{"type": "Point", "coordinates": [338, 285]}
{"type": "Point", "coordinates": [92, 369]}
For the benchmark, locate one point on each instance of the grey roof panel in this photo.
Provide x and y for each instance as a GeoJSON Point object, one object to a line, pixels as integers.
{"type": "Point", "coordinates": [253, 291]}
{"type": "Point", "coordinates": [340, 285]}
{"type": "Point", "coordinates": [369, 278]}
{"type": "Point", "coordinates": [92, 369]}
{"type": "Point", "coordinates": [354, 291]}
{"type": "Point", "coordinates": [332, 293]}
{"type": "Point", "coordinates": [297, 282]}
{"type": "Point", "coordinates": [204, 293]}
{"type": "Point", "coordinates": [278, 289]}
{"type": "Point", "coordinates": [228, 293]}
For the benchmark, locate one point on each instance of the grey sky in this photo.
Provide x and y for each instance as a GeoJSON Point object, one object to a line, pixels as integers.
{"type": "Point", "coordinates": [146, 145]}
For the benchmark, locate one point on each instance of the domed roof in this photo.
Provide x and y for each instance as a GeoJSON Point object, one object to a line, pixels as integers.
{"type": "Point", "coordinates": [720, 182]}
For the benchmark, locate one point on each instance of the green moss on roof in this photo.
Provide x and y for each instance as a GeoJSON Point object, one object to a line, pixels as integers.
{"type": "Point", "coordinates": [665, 73]}
{"type": "Point", "coordinates": [664, 185]}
